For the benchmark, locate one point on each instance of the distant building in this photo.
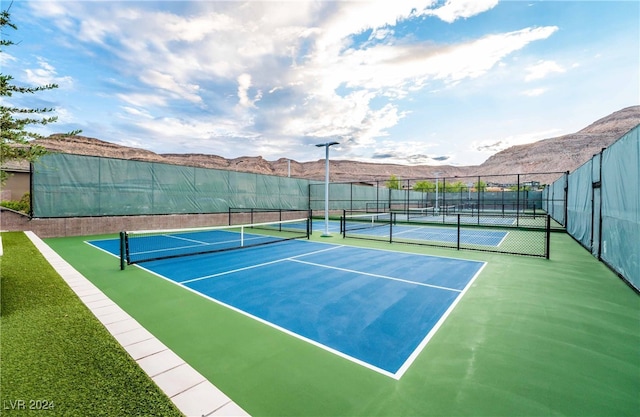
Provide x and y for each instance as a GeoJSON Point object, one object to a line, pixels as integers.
{"type": "Point", "coordinates": [18, 181]}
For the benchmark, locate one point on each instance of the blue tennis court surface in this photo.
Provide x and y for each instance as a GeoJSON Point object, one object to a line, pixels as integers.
{"type": "Point", "coordinates": [374, 307]}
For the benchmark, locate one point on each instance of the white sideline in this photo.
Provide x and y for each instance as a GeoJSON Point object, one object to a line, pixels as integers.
{"type": "Point", "coordinates": [191, 392]}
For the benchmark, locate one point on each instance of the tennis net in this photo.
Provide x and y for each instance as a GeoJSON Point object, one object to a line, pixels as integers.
{"type": "Point", "coordinates": [365, 221]}
{"type": "Point", "coordinates": [487, 237]}
{"type": "Point", "coordinates": [152, 245]}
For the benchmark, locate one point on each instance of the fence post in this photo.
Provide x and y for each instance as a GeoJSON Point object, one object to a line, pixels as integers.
{"type": "Point", "coordinates": [548, 237]}
{"type": "Point", "coordinates": [458, 231]}
{"type": "Point", "coordinates": [566, 197]}
{"type": "Point", "coordinates": [518, 202]}
{"type": "Point", "coordinates": [478, 191]}
{"type": "Point", "coordinates": [600, 213]}
{"type": "Point", "coordinates": [391, 219]}
{"type": "Point", "coordinates": [309, 199]}
{"type": "Point", "coordinates": [31, 193]}
{"type": "Point", "coordinates": [123, 250]}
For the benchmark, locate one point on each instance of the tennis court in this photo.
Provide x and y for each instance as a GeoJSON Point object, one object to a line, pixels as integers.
{"type": "Point", "coordinates": [528, 336]}
{"type": "Point", "coordinates": [464, 216]}
{"type": "Point", "coordinates": [521, 336]}
{"type": "Point", "coordinates": [373, 307]}
{"type": "Point", "coordinates": [444, 218]}
{"type": "Point", "coordinates": [471, 234]}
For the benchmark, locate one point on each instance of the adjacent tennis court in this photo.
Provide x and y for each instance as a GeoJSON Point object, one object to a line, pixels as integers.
{"type": "Point", "coordinates": [385, 225]}
{"type": "Point", "coordinates": [376, 308]}
{"type": "Point", "coordinates": [434, 233]}
{"type": "Point", "coordinates": [447, 214]}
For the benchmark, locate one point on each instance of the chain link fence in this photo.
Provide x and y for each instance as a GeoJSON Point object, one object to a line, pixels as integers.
{"type": "Point", "coordinates": [493, 236]}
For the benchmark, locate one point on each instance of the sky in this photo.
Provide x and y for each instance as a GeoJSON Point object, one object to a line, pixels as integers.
{"type": "Point", "coordinates": [407, 82]}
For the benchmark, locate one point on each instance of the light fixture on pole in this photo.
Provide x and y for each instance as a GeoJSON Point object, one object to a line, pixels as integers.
{"type": "Point", "coordinates": [326, 186]}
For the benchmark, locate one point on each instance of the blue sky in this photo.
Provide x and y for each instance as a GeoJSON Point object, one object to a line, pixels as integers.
{"type": "Point", "coordinates": [408, 82]}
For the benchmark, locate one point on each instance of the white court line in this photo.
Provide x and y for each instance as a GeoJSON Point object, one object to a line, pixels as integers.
{"type": "Point", "coordinates": [503, 239]}
{"type": "Point", "coordinates": [441, 231]}
{"type": "Point", "coordinates": [99, 248]}
{"type": "Point", "coordinates": [291, 258]}
{"type": "Point", "coordinates": [414, 355]}
{"type": "Point", "coordinates": [373, 275]}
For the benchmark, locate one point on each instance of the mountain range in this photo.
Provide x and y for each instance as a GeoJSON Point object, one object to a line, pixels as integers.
{"type": "Point", "coordinates": [553, 155]}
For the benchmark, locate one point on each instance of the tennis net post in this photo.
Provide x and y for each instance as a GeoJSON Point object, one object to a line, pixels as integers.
{"type": "Point", "coordinates": [123, 251]}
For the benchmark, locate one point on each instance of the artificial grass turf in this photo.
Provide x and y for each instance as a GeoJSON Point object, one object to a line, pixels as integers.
{"type": "Point", "coordinates": [55, 354]}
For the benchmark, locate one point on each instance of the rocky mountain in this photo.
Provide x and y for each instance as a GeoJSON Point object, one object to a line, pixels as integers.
{"type": "Point", "coordinates": [564, 153]}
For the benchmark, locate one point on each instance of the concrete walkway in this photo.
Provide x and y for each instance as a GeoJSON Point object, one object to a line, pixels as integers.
{"type": "Point", "coordinates": [191, 392]}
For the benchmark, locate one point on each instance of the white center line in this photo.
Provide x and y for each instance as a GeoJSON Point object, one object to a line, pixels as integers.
{"type": "Point", "coordinates": [374, 275]}
{"type": "Point", "coordinates": [292, 258]}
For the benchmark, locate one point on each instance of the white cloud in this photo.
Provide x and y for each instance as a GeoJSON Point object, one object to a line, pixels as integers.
{"type": "Point", "coordinates": [387, 151]}
{"type": "Point", "coordinates": [541, 69]}
{"type": "Point", "coordinates": [411, 66]}
{"type": "Point", "coordinates": [534, 92]}
{"type": "Point", "coordinates": [496, 145]}
{"type": "Point", "coordinates": [168, 83]}
{"type": "Point", "coordinates": [64, 115]}
{"type": "Point", "coordinates": [143, 100]}
{"type": "Point", "coordinates": [215, 136]}
{"type": "Point", "coordinates": [244, 83]}
{"type": "Point", "coordinates": [462, 9]}
{"type": "Point", "coordinates": [56, 11]}
{"type": "Point", "coordinates": [46, 74]}
{"type": "Point", "coordinates": [136, 112]}
{"type": "Point", "coordinates": [319, 83]}
{"type": "Point", "coordinates": [6, 58]}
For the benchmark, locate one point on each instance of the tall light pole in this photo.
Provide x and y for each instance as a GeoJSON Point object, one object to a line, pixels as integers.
{"type": "Point", "coordinates": [326, 186]}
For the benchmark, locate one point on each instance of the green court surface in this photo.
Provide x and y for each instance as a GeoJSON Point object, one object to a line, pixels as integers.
{"type": "Point", "coordinates": [530, 337]}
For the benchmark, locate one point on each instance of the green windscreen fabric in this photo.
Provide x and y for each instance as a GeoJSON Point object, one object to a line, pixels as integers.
{"type": "Point", "coordinates": [603, 205]}
{"type": "Point", "coordinates": [620, 245]}
{"type": "Point", "coordinates": [580, 205]}
{"type": "Point", "coordinates": [349, 196]}
{"type": "Point", "coordinates": [66, 185]}
{"type": "Point", "coordinates": [372, 197]}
